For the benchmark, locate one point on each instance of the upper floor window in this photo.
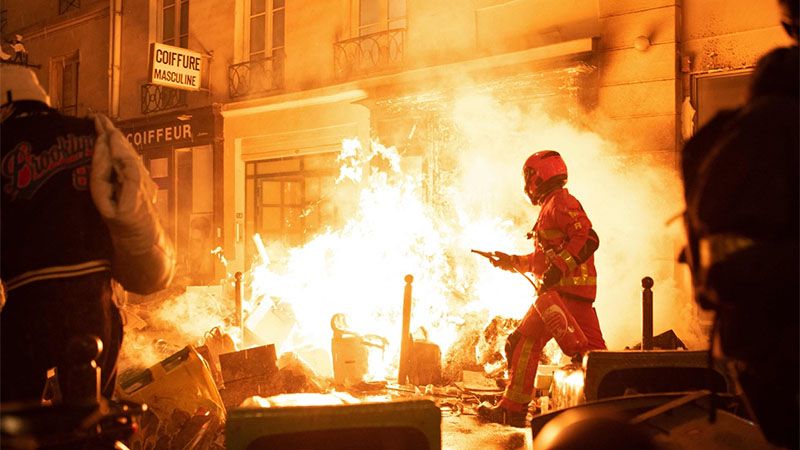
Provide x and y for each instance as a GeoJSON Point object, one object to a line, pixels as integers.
{"type": "Point", "coordinates": [380, 15]}
{"type": "Point", "coordinates": [64, 83]}
{"type": "Point", "coordinates": [265, 28]}
{"type": "Point", "coordinates": [174, 22]}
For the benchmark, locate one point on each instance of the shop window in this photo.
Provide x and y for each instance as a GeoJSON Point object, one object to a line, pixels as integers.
{"type": "Point", "coordinates": [184, 178]}
{"type": "Point", "coordinates": [290, 199]}
{"type": "Point", "coordinates": [174, 22]}
{"type": "Point", "coordinates": [64, 83]}
{"type": "Point", "coordinates": [380, 15]}
{"type": "Point", "coordinates": [717, 91]}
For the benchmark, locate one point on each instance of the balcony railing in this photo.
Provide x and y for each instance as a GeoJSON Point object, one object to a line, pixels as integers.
{"type": "Point", "coordinates": [159, 98]}
{"type": "Point", "coordinates": [369, 54]}
{"type": "Point", "coordinates": [255, 77]}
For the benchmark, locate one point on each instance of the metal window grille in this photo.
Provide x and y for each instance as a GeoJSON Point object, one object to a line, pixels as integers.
{"type": "Point", "coordinates": [369, 54]}
{"type": "Point", "coordinates": [255, 77]}
{"type": "Point", "coordinates": [160, 98]}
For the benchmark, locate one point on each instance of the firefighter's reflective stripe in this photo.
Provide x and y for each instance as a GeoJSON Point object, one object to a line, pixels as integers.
{"type": "Point", "coordinates": [568, 259]}
{"type": "Point", "coordinates": [516, 390]}
{"type": "Point", "coordinates": [55, 272]}
{"type": "Point", "coordinates": [583, 280]}
{"type": "Point", "coordinates": [553, 233]}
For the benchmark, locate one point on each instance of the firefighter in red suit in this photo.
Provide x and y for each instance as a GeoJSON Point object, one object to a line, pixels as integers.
{"type": "Point", "coordinates": [563, 262]}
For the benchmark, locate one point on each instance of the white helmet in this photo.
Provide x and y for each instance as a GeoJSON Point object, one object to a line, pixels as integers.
{"type": "Point", "coordinates": [19, 83]}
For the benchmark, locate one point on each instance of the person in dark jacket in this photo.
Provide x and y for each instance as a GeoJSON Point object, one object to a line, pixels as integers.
{"type": "Point", "coordinates": [78, 216]}
{"type": "Point", "coordinates": [741, 188]}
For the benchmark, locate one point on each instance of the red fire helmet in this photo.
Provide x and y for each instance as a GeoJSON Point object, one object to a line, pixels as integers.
{"type": "Point", "coordinates": [544, 172]}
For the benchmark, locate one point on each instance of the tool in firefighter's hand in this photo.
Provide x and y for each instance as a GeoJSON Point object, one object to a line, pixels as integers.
{"type": "Point", "coordinates": [556, 317]}
{"type": "Point", "coordinates": [494, 257]}
{"type": "Point", "coordinates": [498, 259]}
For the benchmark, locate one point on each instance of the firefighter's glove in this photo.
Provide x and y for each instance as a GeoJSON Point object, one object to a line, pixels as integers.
{"type": "Point", "coordinates": [503, 261]}
{"type": "Point", "coordinates": [124, 195]}
{"type": "Point", "coordinates": [551, 276]}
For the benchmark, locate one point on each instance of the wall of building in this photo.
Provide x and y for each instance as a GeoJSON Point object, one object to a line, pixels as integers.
{"type": "Point", "coordinates": [724, 35]}
{"type": "Point", "coordinates": [54, 36]}
{"type": "Point", "coordinates": [513, 26]}
{"type": "Point", "coordinates": [311, 30]}
{"type": "Point", "coordinates": [637, 88]}
{"type": "Point", "coordinates": [134, 51]}
{"type": "Point", "coordinates": [210, 26]}
{"type": "Point", "coordinates": [210, 33]}
{"type": "Point", "coordinates": [438, 33]}
{"type": "Point", "coordinates": [24, 13]}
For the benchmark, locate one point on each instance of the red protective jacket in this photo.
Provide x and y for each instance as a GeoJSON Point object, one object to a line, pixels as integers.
{"type": "Point", "coordinates": [563, 236]}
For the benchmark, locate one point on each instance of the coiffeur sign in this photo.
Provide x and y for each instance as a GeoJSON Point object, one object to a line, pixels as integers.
{"type": "Point", "coordinates": [174, 67]}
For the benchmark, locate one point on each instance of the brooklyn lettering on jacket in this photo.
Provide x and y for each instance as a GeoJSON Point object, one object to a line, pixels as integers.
{"type": "Point", "coordinates": [24, 171]}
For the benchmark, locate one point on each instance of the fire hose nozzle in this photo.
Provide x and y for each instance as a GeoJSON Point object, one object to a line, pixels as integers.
{"type": "Point", "coordinates": [489, 255]}
{"type": "Point", "coordinates": [494, 257]}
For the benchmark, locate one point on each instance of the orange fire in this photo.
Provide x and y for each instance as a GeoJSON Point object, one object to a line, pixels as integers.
{"type": "Point", "coordinates": [358, 270]}
{"type": "Point", "coordinates": [568, 385]}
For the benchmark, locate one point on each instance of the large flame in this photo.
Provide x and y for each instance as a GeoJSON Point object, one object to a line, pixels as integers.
{"type": "Point", "coordinates": [358, 270]}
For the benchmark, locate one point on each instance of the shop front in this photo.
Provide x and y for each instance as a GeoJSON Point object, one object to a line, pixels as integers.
{"type": "Point", "coordinates": [183, 152]}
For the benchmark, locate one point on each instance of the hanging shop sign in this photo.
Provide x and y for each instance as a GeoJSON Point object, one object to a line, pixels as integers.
{"type": "Point", "coordinates": [175, 67]}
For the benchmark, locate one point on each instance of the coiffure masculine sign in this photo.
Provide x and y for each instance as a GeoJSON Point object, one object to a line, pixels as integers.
{"type": "Point", "coordinates": [175, 67]}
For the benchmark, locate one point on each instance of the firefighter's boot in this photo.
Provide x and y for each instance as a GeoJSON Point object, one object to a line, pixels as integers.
{"type": "Point", "coordinates": [498, 414]}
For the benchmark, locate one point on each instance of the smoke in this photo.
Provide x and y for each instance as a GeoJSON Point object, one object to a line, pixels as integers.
{"type": "Point", "coordinates": [159, 328]}
{"type": "Point", "coordinates": [631, 201]}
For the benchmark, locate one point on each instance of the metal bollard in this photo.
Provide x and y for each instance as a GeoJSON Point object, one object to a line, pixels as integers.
{"type": "Point", "coordinates": [647, 313]}
{"type": "Point", "coordinates": [238, 320]}
{"type": "Point", "coordinates": [405, 338]}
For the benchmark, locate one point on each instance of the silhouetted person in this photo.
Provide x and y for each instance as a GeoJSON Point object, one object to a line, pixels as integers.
{"type": "Point", "coordinates": [77, 214]}
{"type": "Point", "coordinates": [743, 220]}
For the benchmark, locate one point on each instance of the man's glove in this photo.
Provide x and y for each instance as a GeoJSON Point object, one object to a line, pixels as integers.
{"type": "Point", "coordinates": [551, 276]}
{"type": "Point", "coordinates": [503, 261]}
{"type": "Point", "coordinates": [120, 185]}
{"type": "Point", "coordinates": [124, 194]}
